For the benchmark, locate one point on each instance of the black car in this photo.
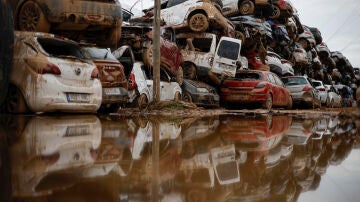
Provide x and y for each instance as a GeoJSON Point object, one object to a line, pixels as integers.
{"type": "Point", "coordinates": [200, 93]}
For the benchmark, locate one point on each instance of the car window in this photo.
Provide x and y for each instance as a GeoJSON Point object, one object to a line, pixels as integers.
{"type": "Point", "coordinates": [290, 81]}
{"type": "Point", "coordinates": [271, 78]}
{"type": "Point", "coordinates": [202, 44]}
{"type": "Point", "coordinates": [126, 15]}
{"type": "Point", "coordinates": [172, 3]}
{"type": "Point", "coordinates": [248, 76]}
{"type": "Point", "coordinates": [57, 47]}
{"type": "Point", "coordinates": [316, 83]}
{"type": "Point", "coordinates": [98, 53]}
{"type": "Point", "coordinates": [229, 49]}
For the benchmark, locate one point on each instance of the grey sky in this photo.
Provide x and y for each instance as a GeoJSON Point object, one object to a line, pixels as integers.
{"type": "Point", "coordinates": [338, 21]}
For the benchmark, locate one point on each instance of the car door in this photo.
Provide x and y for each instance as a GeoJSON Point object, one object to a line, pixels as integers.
{"type": "Point", "coordinates": [165, 86]}
{"type": "Point", "coordinates": [283, 92]}
{"type": "Point", "coordinates": [274, 89]}
{"type": "Point", "coordinates": [175, 12]}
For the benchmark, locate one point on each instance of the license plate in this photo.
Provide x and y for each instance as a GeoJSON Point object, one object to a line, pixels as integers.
{"type": "Point", "coordinates": [77, 131]}
{"type": "Point", "coordinates": [78, 97]}
{"type": "Point", "coordinates": [111, 91]}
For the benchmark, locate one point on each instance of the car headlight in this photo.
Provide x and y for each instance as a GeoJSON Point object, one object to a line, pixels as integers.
{"type": "Point", "coordinates": [202, 90]}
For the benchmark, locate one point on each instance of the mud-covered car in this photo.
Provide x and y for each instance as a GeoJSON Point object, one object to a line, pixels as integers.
{"type": "Point", "coordinates": [255, 87]}
{"type": "Point", "coordinates": [198, 16]}
{"type": "Point", "coordinates": [278, 65]}
{"type": "Point", "coordinates": [96, 21]}
{"type": "Point", "coordinates": [111, 74]}
{"type": "Point", "coordinates": [141, 86]}
{"type": "Point", "coordinates": [51, 74]}
{"type": "Point", "coordinates": [203, 52]}
{"type": "Point", "coordinates": [200, 93]}
{"type": "Point", "coordinates": [139, 38]}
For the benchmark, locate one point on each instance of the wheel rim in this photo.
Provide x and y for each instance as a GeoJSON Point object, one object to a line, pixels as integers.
{"type": "Point", "coordinates": [177, 96]}
{"type": "Point", "coordinates": [29, 17]}
{"type": "Point", "coordinates": [246, 8]}
{"type": "Point", "coordinates": [198, 22]}
{"type": "Point", "coordinates": [275, 13]}
{"type": "Point", "coordinates": [268, 103]}
{"type": "Point", "coordinates": [187, 97]}
{"type": "Point", "coordinates": [142, 102]}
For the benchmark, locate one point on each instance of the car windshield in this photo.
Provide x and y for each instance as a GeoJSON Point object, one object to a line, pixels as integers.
{"type": "Point", "coordinates": [229, 49]}
{"type": "Point", "coordinates": [248, 76]}
{"type": "Point", "coordinates": [58, 47]}
{"type": "Point", "coordinates": [98, 53]}
{"type": "Point", "coordinates": [172, 3]}
{"type": "Point", "coordinates": [292, 81]}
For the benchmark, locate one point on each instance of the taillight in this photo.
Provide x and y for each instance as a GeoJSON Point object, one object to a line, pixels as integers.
{"type": "Point", "coordinates": [49, 69]}
{"type": "Point", "coordinates": [260, 85]}
{"type": "Point", "coordinates": [321, 89]}
{"type": "Point", "coordinates": [307, 88]}
{"type": "Point", "coordinates": [211, 61]}
{"type": "Point", "coordinates": [95, 74]}
{"type": "Point", "coordinates": [299, 51]}
{"type": "Point", "coordinates": [132, 82]}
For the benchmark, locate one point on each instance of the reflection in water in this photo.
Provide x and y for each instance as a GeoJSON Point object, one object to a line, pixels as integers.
{"type": "Point", "coordinates": [226, 158]}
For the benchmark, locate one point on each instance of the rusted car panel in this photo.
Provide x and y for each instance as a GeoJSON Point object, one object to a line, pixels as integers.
{"type": "Point", "coordinates": [53, 75]}
{"type": "Point", "coordinates": [102, 16]}
{"type": "Point", "coordinates": [111, 74]}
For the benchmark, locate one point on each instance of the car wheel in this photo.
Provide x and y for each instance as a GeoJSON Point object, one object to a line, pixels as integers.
{"type": "Point", "coordinates": [32, 18]}
{"type": "Point", "coordinates": [147, 55]}
{"type": "Point", "coordinates": [142, 101]}
{"type": "Point", "coordinates": [276, 12]}
{"type": "Point", "coordinates": [6, 47]}
{"type": "Point", "coordinates": [177, 96]}
{"type": "Point", "coordinates": [114, 36]}
{"type": "Point", "coordinates": [268, 103]}
{"type": "Point", "coordinates": [187, 97]}
{"type": "Point", "coordinates": [15, 102]}
{"type": "Point", "coordinates": [189, 71]}
{"type": "Point", "coordinates": [198, 22]}
{"type": "Point", "coordinates": [180, 76]}
{"type": "Point", "coordinates": [290, 103]}
{"type": "Point", "coordinates": [247, 7]}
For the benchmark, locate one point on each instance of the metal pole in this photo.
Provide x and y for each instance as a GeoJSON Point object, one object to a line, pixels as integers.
{"type": "Point", "coordinates": [156, 51]}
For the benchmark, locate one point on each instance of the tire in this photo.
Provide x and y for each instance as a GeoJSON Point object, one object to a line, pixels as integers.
{"type": "Point", "coordinates": [198, 22]}
{"type": "Point", "coordinates": [268, 103]}
{"type": "Point", "coordinates": [6, 48]}
{"type": "Point", "coordinates": [189, 71]}
{"type": "Point", "coordinates": [276, 12]}
{"type": "Point", "coordinates": [147, 56]}
{"type": "Point", "coordinates": [290, 103]}
{"type": "Point", "coordinates": [246, 7]}
{"type": "Point", "coordinates": [179, 76]}
{"type": "Point", "coordinates": [187, 97]}
{"type": "Point", "coordinates": [32, 18]}
{"type": "Point", "coordinates": [15, 102]}
{"type": "Point", "coordinates": [142, 101]}
{"type": "Point", "coordinates": [177, 96]}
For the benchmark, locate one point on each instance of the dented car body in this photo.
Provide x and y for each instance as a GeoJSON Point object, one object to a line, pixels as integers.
{"type": "Point", "coordinates": [203, 52]}
{"type": "Point", "coordinates": [111, 74]}
{"type": "Point", "coordinates": [51, 74]}
{"type": "Point", "coordinates": [98, 20]}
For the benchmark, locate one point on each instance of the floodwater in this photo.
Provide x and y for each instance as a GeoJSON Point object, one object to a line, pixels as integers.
{"type": "Point", "coordinates": [220, 158]}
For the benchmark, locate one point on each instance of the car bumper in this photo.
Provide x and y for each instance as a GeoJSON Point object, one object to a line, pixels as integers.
{"type": "Point", "coordinates": [47, 93]}
{"type": "Point", "coordinates": [206, 100]}
{"type": "Point", "coordinates": [115, 95]}
{"type": "Point", "coordinates": [302, 97]}
{"type": "Point", "coordinates": [244, 98]}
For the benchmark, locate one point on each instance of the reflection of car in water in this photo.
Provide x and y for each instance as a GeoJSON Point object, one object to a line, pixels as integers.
{"type": "Point", "coordinates": [199, 128]}
{"type": "Point", "coordinates": [300, 132]}
{"type": "Point", "coordinates": [53, 148]}
{"type": "Point", "coordinates": [260, 133]}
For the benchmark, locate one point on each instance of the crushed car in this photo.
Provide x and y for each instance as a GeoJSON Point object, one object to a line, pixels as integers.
{"type": "Point", "coordinates": [96, 21]}
{"type": "Point", "coordinates": [51, 74]}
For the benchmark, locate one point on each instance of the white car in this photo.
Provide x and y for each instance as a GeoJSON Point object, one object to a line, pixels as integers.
{"type": "Point", "coordinates": [142, 86]}
{"type": "Point", "coordinates": [50, 74]}
{"type": "Point", "coordinates": [334, 98]}
{"type": "Point", "coordinates": [322, 90]}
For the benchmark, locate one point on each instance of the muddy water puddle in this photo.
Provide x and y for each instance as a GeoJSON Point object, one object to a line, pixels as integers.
{"type": "Point", "coordinates": [219, 158]}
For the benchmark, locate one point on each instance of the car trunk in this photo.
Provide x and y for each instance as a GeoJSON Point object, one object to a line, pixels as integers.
{"type": "Point", "coordinates": [111, 73]}
{"type": "Point", "coordinates": [295, 89]}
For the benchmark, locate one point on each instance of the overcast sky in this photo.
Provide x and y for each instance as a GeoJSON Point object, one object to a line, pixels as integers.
{"type": "Point", "coordinates": [338, 21]}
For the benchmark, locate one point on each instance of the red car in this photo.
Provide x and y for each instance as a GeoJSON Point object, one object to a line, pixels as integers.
{"type": "Point", "coordinates": [258, 87]}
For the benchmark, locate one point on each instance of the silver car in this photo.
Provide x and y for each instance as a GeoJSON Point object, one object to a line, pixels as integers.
{"type": "Point", "coordinates": [334, 98]}
{"type": "Point", "coordinates": [302, 91]}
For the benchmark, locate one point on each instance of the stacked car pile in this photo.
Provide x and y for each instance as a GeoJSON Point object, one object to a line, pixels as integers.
{"type": "Point", "coordinates": [207, 42]}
